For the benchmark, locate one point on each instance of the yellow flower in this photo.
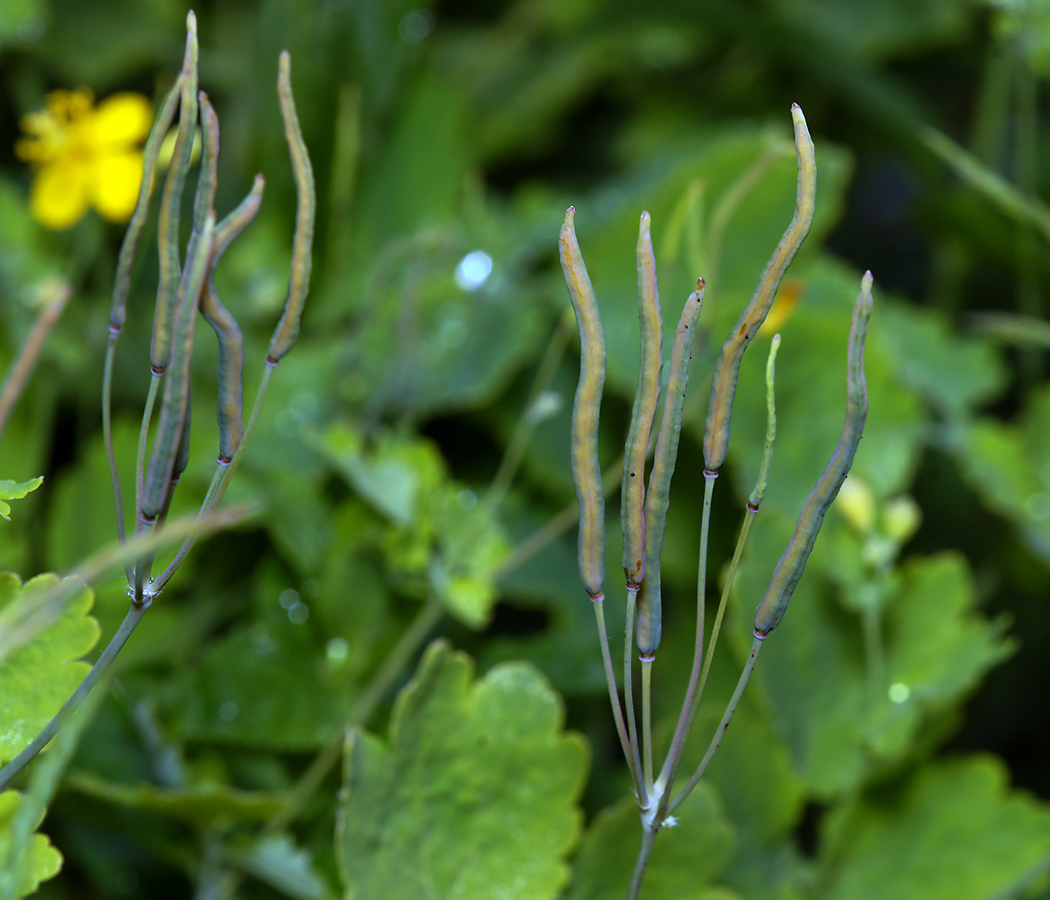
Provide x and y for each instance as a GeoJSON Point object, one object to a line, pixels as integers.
{"type": "Point", "coordinates": [787, 299]}
{"type": "Point", "coordinates": [85, 156]}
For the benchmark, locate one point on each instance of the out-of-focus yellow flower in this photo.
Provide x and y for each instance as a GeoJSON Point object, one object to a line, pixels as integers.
{"type": "Point", "coordinates": [787, 299]}
{"type": "Point", "coordinates": [85, 156]}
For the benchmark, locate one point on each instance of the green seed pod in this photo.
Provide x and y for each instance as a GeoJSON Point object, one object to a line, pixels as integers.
{"type": "Point", "coordinates": [168, 221]}
{"type": "Point", "coordinates": [727, 369]}
{"type": "Point", "coordinates": [299, 283]}
{"type": "Point", "coordinates": [231, 343]}
{"type": "Point", "coordinates": [632, 491]}
{"type": "Point", "coordinates": [182, 458]}
{"type": "Point", "coordinates": [118, 309]}
{"type": "Point", "coordinates": [649, 603]}
{"type": "Point", "coordinates": [755, 500]}
{"type": "Point", "coordinates": [204, 200]}
{"type": "Point", "coordinates": [789, 569]}
{"type": "Point", "coordinates": [586, 471]}
{"type": "Point", "coordinates": [175, 403]}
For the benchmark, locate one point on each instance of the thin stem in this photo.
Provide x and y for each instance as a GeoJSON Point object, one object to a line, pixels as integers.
{"type": "Point", "coordinates": [387, 673]}
{"type": "Point", "coordinates": [23, 366]}
{"type": "Point", "coordinates": [614, 693]}
{"type": "Point", "coordinates": [628, 688]}
{"type": "Point", "coordinates": [681, 732]}
{"type": "Point", "coordinates": [107, 437]}
{"type": "Point", "coordinates": [647, 723]}
{"type": "Point", "coordinates": [161, 580]}
{"type": "Point", "coordinates": [101, 666]}
{"type": "Point", "coordinates": [644, 852]}
{"type": "Point", "coordinates": [727, 717]}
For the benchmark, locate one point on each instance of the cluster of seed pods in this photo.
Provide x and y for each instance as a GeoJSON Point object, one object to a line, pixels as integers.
{"type": "Point", "coordinates": [188, 288]}
{"type": "Point", "coordinates": [644, 509]}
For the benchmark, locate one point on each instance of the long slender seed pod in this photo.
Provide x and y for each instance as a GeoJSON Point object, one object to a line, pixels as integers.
{"type": "Point", "coordinates": [118, 309]}
{"type": "Point", "coordinates": [755, 500]}
{"type": "Point", "coordinates": [240, 218]}
{"type": "Point", "coordinates": [299, 283]}
{"type": "Point", "coordinates": [175, 403]}
{"type": "Point", "coordinates": [182, 457]}
{"type": "Point", "coordinates": [789, 569]}
{"type": "Point", "coordinates": [586, 472]}
{"type": "Point", "coordinates": [204, 199]}
{"type": "Point", "coordinates": [727, 369]}
{"type": "Point", "coordinates": [649, 611]}
{"type": "Point", "coordinates": [168, 222]}
{"type": "Point", "coordinates": [231, 371]}
{"type": "Point", "coordinates": [632, 491]}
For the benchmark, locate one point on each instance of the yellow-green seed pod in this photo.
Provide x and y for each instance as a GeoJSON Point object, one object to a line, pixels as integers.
{"type": "Point", "coordinates": [231, 343]}
{"type": "Point", "coordinates": [168, 221]}
{"type": "Point", "coordinates": [727, 369]}
{"type": "Point", "coordinates": [755, 500]}
{"type": "Point", "coordinates": [791, 565]}
{"type": "Point", "coordinates": [182, 458]}
{"type": "Point", "coordinates": [632, 489]}
{"type": "Point", "coordinates": [204, 200]}
{"type": "Point", "coordinates": [175, 403]}
{"type": "Point", "coordinates": [299, 283]}
{"type": "Point", "coordinates": [586, 471]}
{"type": "Point", "coordinates": [118, 309]}
{"type": "Point", "coordinates": [649, 614]}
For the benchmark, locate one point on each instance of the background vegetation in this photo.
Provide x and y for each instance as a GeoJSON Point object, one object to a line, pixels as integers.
{"type": "Point", "coordinates": [894, 741]}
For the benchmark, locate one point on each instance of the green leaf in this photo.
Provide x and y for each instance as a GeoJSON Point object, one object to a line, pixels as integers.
{"type": "Point", "coordinates": [473, 795]}
{"type": "Point", "coordinates": [44, 861]}
{"type": "Point", "coordinates": [953, 830]}
{"type": "Point", "coordinates": [39, 677]}
{"type": "Point", "coordinates": [685, 860]}
{"type": "Point", "coordinates": [208, 805]}
{"type": "Point", "coordinates": [10, 490]}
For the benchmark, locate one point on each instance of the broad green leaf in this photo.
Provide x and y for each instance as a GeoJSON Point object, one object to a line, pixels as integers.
{"type": "Point", "coordinates": [38, 678]}
{"type": "Point", "coordinates": [952, 830]}
{"type": "Point", "coordinates": [473, 795]}
{"type": "Point", "coordinates": [206, 805]}
{"type": "Point", "coordinates": [279, 862]}
{"type": "Point", "coordinates": [10, 490]}
{"type": "Point", "coordinates": [686, 858]}
{"type": "Point", "coordinates": [44, 860]}
{"type": "Point", "coordinates": [851, 706]}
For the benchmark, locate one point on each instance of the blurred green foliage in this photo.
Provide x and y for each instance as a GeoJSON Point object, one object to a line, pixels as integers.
{"type": "Point", "coordinates": [447, 140]}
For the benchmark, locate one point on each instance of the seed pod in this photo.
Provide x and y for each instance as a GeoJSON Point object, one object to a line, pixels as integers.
{"type": "Point", "coordinates": [118, 309]}
{"type": "Point", "coordinates": [755, 500]}
{"type": "Point", "coordinates": [204, 200]}
{"type": "Point", "coordinates": [299, 283]}
{"type": "Point", "coordinates": [175, 404]}
{"type": "Point", "coordinates": [789, 569]}
{"type": "Point", "coordinates": [168, 221]}
{"type": "Point", "coordinates": [231, 343]}
{"type": "Point", "coordinates": [632, 491]}
{"type": "Point", "coordinates": [727, 369]}
{"type": "Point", "coordinates": [586, 472]}
{"type": "Point", "coordinates": [649, 603]}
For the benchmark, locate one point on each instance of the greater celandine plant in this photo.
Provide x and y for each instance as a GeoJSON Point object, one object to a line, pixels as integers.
{"type": "Point", "coordinates": [186, 286]}
{"type": "Point", "coordinates": [643, 513]}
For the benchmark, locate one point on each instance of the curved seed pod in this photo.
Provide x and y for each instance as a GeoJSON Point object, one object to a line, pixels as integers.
{"type": "Point", "coordinates": [231, 343]}
{"type": "Point", "coordinates": [727, 369]}
{"type": "Point", "coordinates": [649, 605]}
{"type": "Point", "coordinates": [755, 500]}
{"type": "Point", "coordinates": [175, 404]}
{"type": "Point", "coordinates": [168, 221]}
{"type": "Point", "coordinates": [299, 283]}
{"type": "Point", "coordinates": [586, 472]}
{"type": "Point", "coordinates": [632, 490]}
{"type": "Point", "coordinates": [204, 199]}
{"type": "Point", "coordinates": [789, 569]}
{"type": "Point", "coordinates": [182, 457]}
{"type": "Point", "coordinates": [118, 309]}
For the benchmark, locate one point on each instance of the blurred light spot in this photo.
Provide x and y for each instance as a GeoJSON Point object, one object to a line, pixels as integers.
{"type": "Point", "coordinates": [415, 26]}
{"type": "Point", "coordinates": [1038, 505]}
{"type": "Point", "coordinates": [546, 406]}
{"type": "Point", "coordinates": [31, 29]}
{"type": "Point", "coordinates": [337, 650]}
{"type": "Point", "coordinates": [228, 711]}
{"type": "Point", "coordinates": [127, 882]}
{"type": "Point", "coordinates": [899, 692]}
{"type": "Point", "coordinates": [473, 270]}
{"type": "Point", "coordinates": [466, 500]}
{"type": "Point", "coordinates": [288, 598]}
{"type": "Point", "coordinates": [298, 614]}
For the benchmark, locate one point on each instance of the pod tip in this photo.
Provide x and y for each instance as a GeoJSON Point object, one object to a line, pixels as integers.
{"type": "Point", "coordinates": [865, 282]}
{"type": "Point", "coordinates": [700, 283]}
{"type": "Point", "coordinates": [191, 21]}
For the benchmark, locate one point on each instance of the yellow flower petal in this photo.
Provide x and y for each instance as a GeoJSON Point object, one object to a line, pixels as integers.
{"type": "Point", "coordinates": [787, 299]}
{"type": "Point", "coordinates": [115, 181]}
{"type": "Point", "coordinates": [59, 195]}
{"type": "Point", "coordinates": [121, 120]}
